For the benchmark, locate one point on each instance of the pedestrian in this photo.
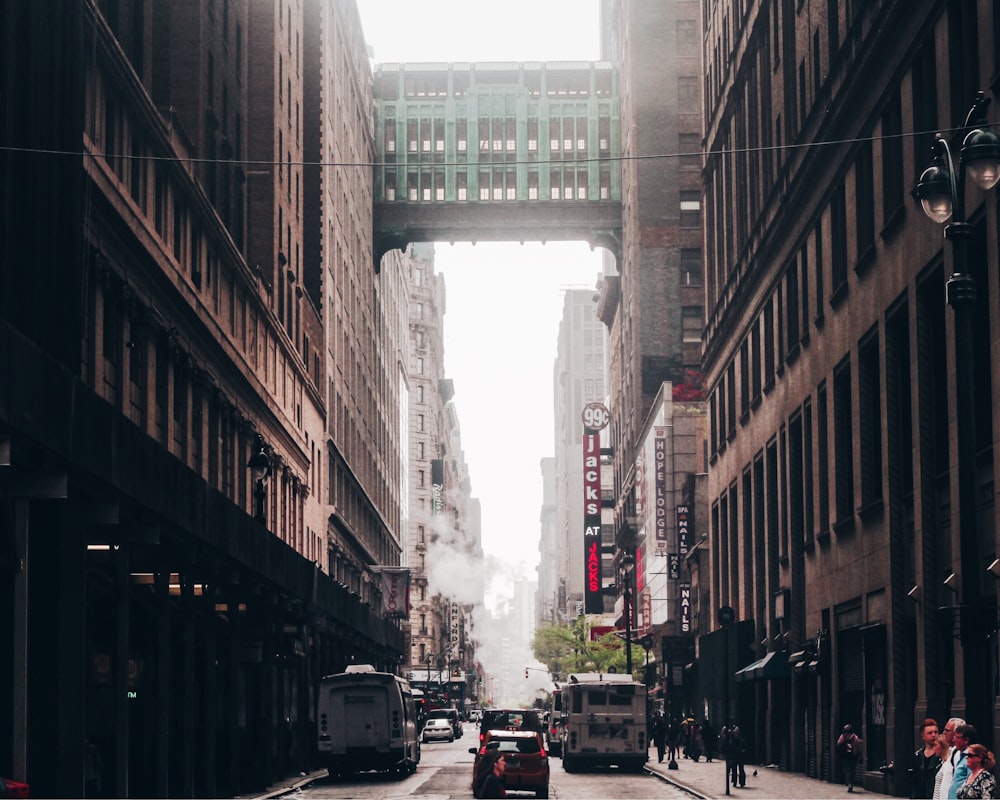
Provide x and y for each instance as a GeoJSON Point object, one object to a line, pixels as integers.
{"type": "Point", "coordinates": [947, 771]}
{"type": "Point", "coordinates": [659, 736]}
{"type": "Point", "coordinates": [734, 751]}
{"type": "Point", "coordinates": [964, 736]}
{"type": "Point", "coordinates": [926, 761]}
{"type": "Point", "coordinates": [673, 737]}
{"type": "Point", "coordinates": [696, 745]}
{"type": "Point", "coordinates": [710, 739]}
{"type": "Point", "coordinates": [849, 748]}
{"type": "Point", "coordinates": [981, 781]}
{"type": "Point", "coordinates": [488, 778]}
{"type": "Point", "coordinates": [940, 788]}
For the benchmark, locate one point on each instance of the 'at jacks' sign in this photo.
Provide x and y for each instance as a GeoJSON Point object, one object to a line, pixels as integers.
{"type": "Point", "coordinates": [592, 595]}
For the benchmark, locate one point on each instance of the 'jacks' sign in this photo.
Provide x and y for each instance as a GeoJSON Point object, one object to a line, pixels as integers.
{"type": "Point", "coordinates": [592, 594]}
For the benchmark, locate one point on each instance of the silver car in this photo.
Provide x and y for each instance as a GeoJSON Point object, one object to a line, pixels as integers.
{"type": "Point", "coordinates": [438, 728]}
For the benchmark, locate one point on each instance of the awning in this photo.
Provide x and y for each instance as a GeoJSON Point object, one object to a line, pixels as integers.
{"type": "Point", "coordinates": [773, 666]}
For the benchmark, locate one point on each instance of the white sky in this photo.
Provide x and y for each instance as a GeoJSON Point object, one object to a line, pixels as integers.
{"type": "Point", "coordinates": [504, 300]}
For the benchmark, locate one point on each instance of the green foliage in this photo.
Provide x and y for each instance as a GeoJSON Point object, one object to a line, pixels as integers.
{"type": "Point", "coordinates": [566, 648]}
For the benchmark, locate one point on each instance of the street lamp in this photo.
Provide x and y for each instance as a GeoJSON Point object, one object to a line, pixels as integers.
{"type": "Point", "coordinates": [260, 468]}
{"type": "Point", "coordinates": [627, 563]}
{"type": "Point", "coordinates": [941, 193]}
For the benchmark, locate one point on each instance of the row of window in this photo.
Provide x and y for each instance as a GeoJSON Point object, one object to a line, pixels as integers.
{"type": "Point", "coordinates": [393, 85]}
{"type": "Point", "coordinates": [499, 184]}
{"type": "Point", "coordinates": [146, 373]}
{"type": "Point", "coordinates": [855, 432]}
{"type": "Point", "coordinates": [498, 134]}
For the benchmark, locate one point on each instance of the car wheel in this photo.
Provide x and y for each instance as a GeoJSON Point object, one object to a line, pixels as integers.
{"type": "Point", "coordinates": [542, 793]}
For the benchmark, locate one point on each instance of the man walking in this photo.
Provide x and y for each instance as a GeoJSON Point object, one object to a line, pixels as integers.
{"type": "Point", "coordinates": [734, 750]}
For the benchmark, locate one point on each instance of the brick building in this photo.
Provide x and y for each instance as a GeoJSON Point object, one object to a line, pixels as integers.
{"type": "Point", "coordinates": [840, 532]}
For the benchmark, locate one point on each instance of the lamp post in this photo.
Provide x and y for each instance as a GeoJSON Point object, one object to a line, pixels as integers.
{"type": "Point", "coordinates": [627, 563]}
{"type": "Point", "coordinates": [941, 192]}
{"type": "Point", "coordinates": [260, 468]}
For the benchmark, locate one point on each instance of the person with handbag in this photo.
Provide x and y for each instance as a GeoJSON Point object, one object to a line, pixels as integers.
{"type": "Point", "coordinates": [849, 748]}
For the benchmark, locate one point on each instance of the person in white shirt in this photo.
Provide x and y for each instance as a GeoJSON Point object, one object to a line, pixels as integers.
{"type": "Point", "coordinates": [964, 736]}
{"type": "Point", "coordinates": [947, 771]}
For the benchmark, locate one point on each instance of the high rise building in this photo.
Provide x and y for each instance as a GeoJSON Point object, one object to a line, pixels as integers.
{"type": "Point", "coordinates": [204, 380]}
{"type": "Point", "coordinates": [654, 306]}
{"type": "Point", "coordinates": [580, 371]}
{"type": "Point", "coordinates": [852, 427]}
{"type": "Point", "coordinates": [445, 555]}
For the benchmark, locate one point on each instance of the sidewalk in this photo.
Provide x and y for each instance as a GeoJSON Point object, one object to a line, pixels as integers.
{"type": "Point", "coordinates": [709, 780]}
{"type": "Point", "coordinates": [285, 786]}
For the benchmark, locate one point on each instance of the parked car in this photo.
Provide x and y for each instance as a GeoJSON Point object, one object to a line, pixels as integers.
{"type": "Point", "coordinates": [437, 728]}
{"type": "Point", "coordinates": [11, 788]}
{"type": "Point", "coordinates": [451, 715]}
{"type": "Point", "coordinates": [525, 758]}
{"type": "Point", "coordinates": [510, 719]}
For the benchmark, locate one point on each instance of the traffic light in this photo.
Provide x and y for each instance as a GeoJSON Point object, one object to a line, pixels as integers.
{"type": "Point", "coordinates": [526, 673]}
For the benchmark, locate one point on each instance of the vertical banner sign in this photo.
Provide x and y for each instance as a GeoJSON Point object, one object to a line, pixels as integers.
{"type": "Point", "coordinates": [595, 418]}
{"type": "Point", "coordinates": [683, 533]}
{"type": "Point", "coordinates": [660, 488]}
{"type": "Point", "coordinates": [673, 566]}
{"type": "Point", "coordinates": [685, 607]}
{"type": "Point", "coordinates": [437, 486]}
{"type": "Point", "coordinates": [454, 631]}
{"type": "Point", "coordinates": [395, 592]}
{"type": "Point", "coordinates": [647, 612]}
{"type": "Point", "coordinates": [592, 595]}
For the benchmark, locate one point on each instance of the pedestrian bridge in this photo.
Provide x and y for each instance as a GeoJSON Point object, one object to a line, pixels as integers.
{"type": "Point", "coordinates": [524, 151]}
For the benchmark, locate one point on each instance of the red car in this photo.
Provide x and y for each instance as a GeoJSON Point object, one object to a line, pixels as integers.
{"type": "Point", "coordinates": [9, 788]}
{"type": "Point", "coordinates": [527, 763]}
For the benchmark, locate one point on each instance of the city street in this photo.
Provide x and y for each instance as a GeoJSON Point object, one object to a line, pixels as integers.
{"type": "Point", "coordinates": [445, 772]}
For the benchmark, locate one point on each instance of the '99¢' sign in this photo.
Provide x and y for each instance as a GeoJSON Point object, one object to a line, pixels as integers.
{"type": "Point", "coordinates": [595, 416]}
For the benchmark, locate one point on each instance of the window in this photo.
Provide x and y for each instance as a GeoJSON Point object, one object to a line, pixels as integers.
{"type": "Point", "coordinates": [690, 209]}
{"type": "Point", "coordinates": [690, 151]}
{"type": "Point", "coordinates": [838, 244]}
{"type": "Point", "coordinates": [691, 323]}
{"type": "Point", "coordinates": [745, 379]}
{"type": "Point", "coordinates": [870, 420]}
{"type": "Point", "coordinates": [864, 204]}
{"type": "Point", "coordinates": [843, 444]}
{"type": "Point", "coordinates": [892, 159]}
{"type": "Point", "coordinates": [688, 90]}
{"type": "Point", "coordinates": [768, 344]}
{"type": "Point", "coordinates": [691, 272]}
{"type": "Point", "coordinates": [792, 306]}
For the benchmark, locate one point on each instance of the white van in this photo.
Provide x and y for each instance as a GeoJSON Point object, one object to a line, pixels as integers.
{"type": "Point", "coordinates": [603, 722]}
{"type": "Point", "coordinates": [366, 720]}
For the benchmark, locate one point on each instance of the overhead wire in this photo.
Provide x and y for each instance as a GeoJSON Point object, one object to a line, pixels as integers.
{"type": "Point", "coordinates": [416, 162]}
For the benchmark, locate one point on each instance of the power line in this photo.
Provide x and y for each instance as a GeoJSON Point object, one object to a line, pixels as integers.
{"type": "Point", "coordinates": [703, 154]}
